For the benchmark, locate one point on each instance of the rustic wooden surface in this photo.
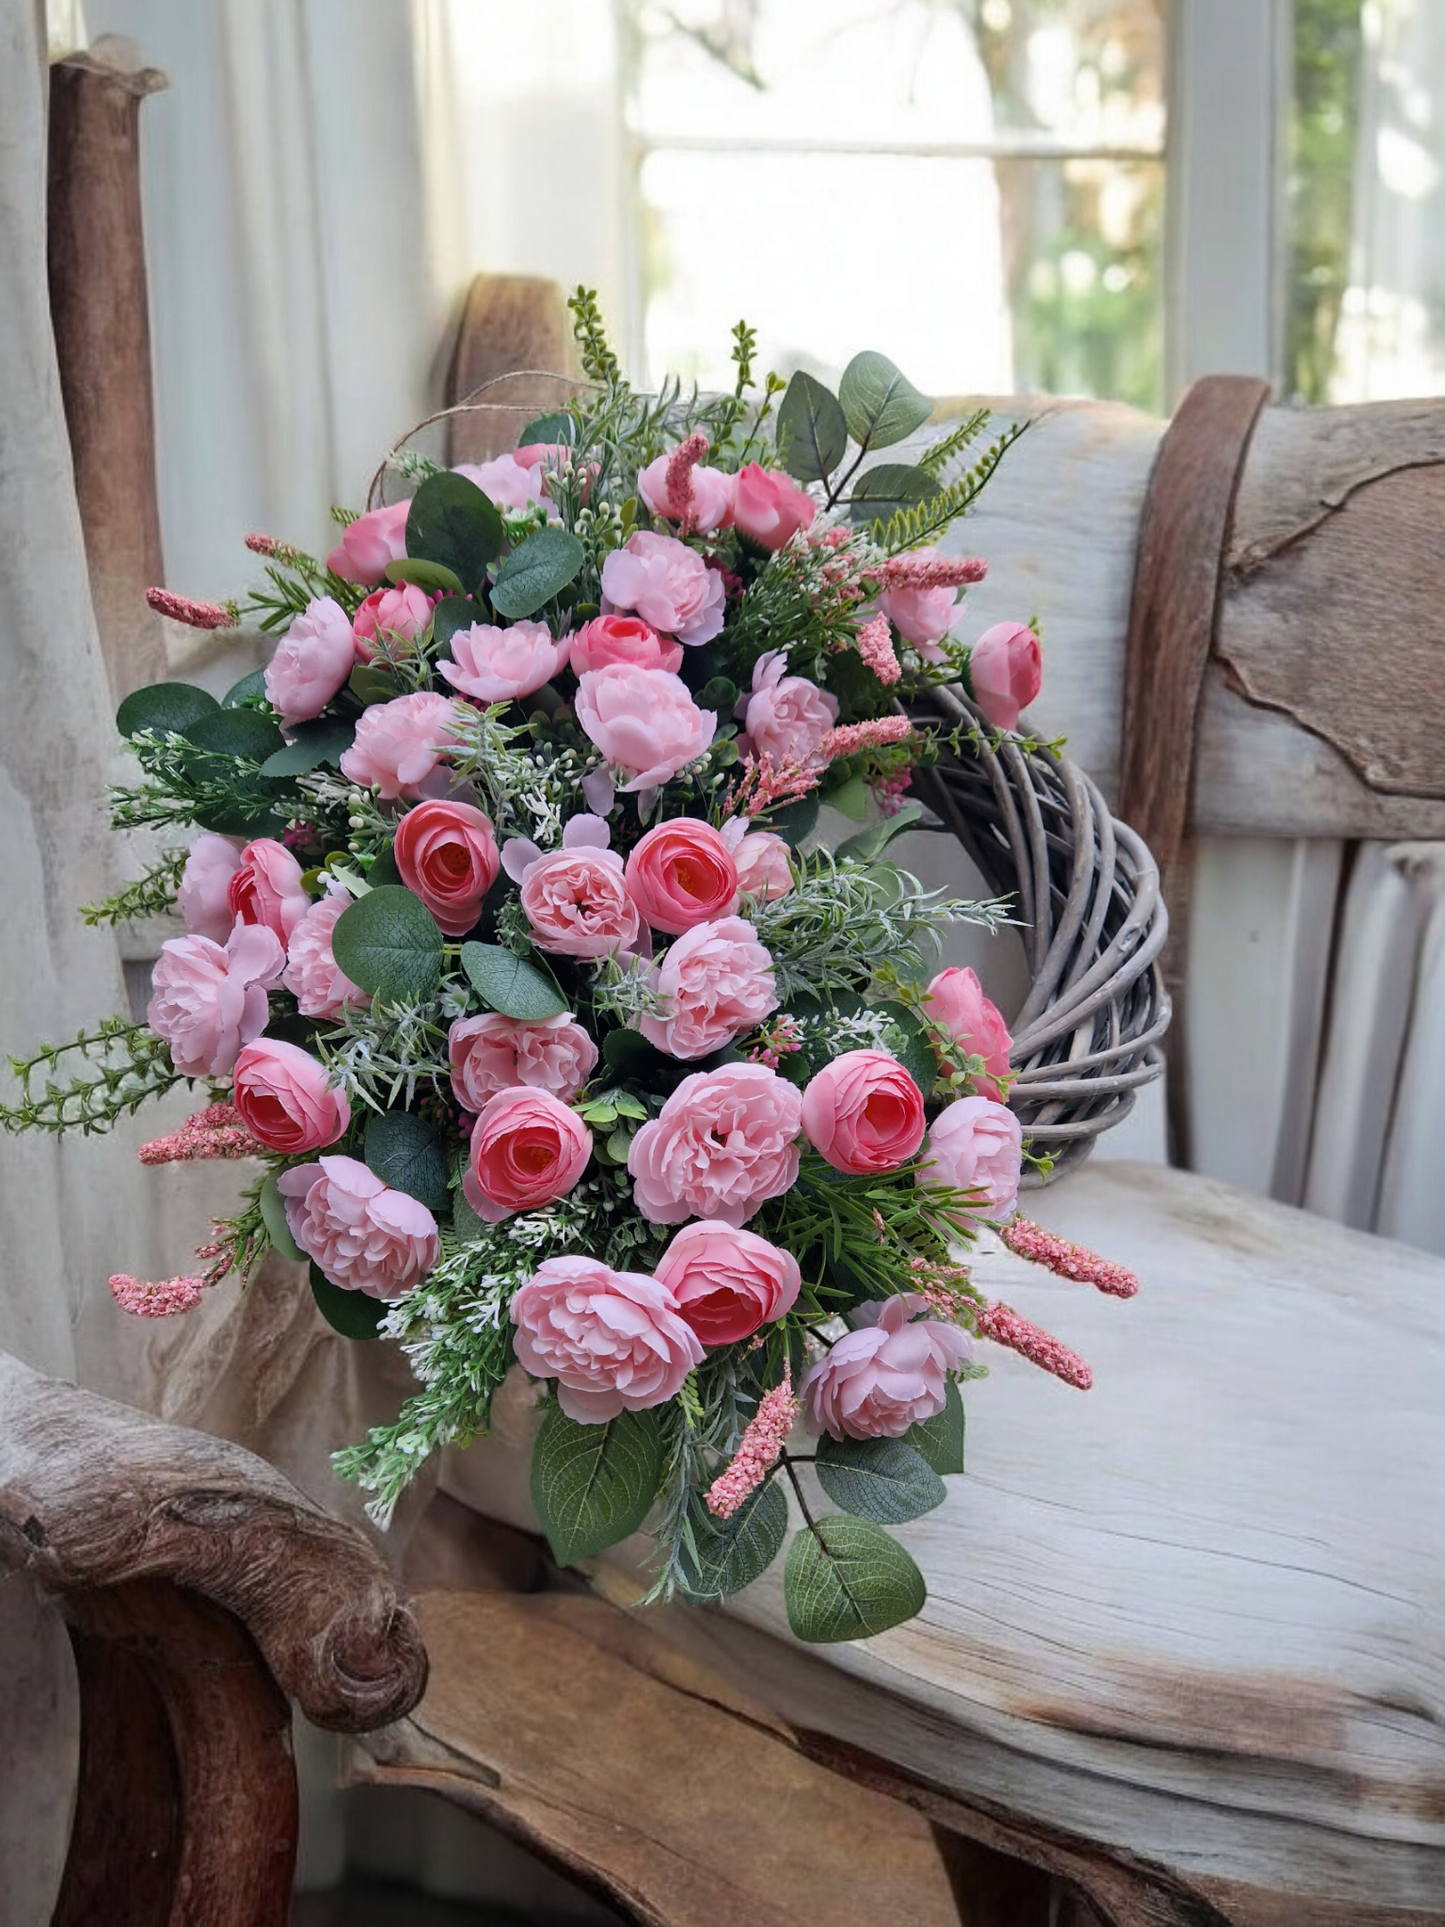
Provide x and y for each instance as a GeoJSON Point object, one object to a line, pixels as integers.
{"type": "Point", "coordinates": [510, 322]}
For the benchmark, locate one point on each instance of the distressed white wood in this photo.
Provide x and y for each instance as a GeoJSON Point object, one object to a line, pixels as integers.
{"type": "Point", "coordinates": [1412, 1198]}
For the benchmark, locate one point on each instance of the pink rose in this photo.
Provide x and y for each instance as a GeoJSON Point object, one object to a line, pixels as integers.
{"type": "Point", "coordinates": [507, 482]}
{"type": "Point", "coordinates": [724, 1143]}
{"type": "Point", "coordinates": [976, 1145]}
{"type": "Point", "coordinates": [284, 1099]}
{"type": "Point", "coordinates": [265, 887]}
{"type": "Point", "coordinates": [765, 865]}
{"type": "Point", "coordinates": [878, 1381]}
{"type": "Point", "coordinates": [1005, 672]}
{"type": "Point", "coordinates": [682, 873]}
{"type": "Point", "coordinates": [921, 616]}
{"type": "Point", "coordinates": [864, 1113]}
{"type": "Point", "coordinates": [786, 717]}
{"type": "Point", "coordinates": [667, 584]}
{"type": "Point", "coordinates": [728, 1282]}
{"type": "Point", "coordinates": [312, 975]}
{"type": "Point", "coordinates": [577, 903]}
{"type": "Point", "coordinates": [527, 1148]}
{"type": "Point", "coordinates": [715, 983]}
{"type": "Point", "coordinates": [644, 721]}
{"type": "Point", "coordinates": [363, 1235]}
{"type": "Point", "coordinates": [499, 665]}
{"type": "Point", "coordinates": [447, 854]}
{"type": "Point", "coordinates": [955, 1001]}
{"type": "Point", "coordinates": [712, 495]}
{"type": "Point", "coordinates": [208, 1001]}
{"type": "Point", "coordinates": [369, 543]}
{"type": "Point", "coordinates": [492, 1053]}
{"type": "Point", "coordinates": [203, 898]}
{"type": "Point", "coordinates": [612, 1339]}
{"type": "Point", "coordinates": [399, 615]}
{"type": "Point", "coordinates": [399, 744]}
{"type": "Point", "coordinates": [311, 662]}
{"type": "Point", "coordinates": [770, 507]}
{"type": "Point", "coordinates": [626, 639]}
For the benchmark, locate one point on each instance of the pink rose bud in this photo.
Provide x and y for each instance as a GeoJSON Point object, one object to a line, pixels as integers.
{"type": "Point", "coordinates": [667, 584]}
{"type": "Point", "coordinates": [644, 721]}
{"type": "Point", "coordinates": [207, 1002]}
{"type": "Point", "coordinates": [447, 854]}
{"type": "Point", "coordinates": [612, 1339]}
{"type": "Point", "coordinates": [312, 975]}
{"type": "Point", "coordinates": [770, 507]}
{"type": "Point", "coordinates": [363, 1235]}
{"type": "Point", "coordinates": [682, 873]}
{"type": "Point", "coordinates": [624, 639]}
{"type": "Point", "coordinates": [527, 1148]}
{"type": "Point", "coordinates": [265, 887]}
{"type": "Point", "coordinates": [724, 1143]}
{"type": "Point", "coordinates": [284, 1099]}
{"type": "Point", "coordinates": [578, 904]}
{"type": "Point", "coordinates": [976, 1145]}
{"type": "Point", "coordinates": [765, 865]}
{"type": "Point", "coordinates": [399, 744]}
{"type": "Point", "coordinates": [864, 1113]}
{"type": "Point", "coordinates": [398, 615]}
{"type": "Point", "coordinates": [878, 1381]}
{"type": "Point", "coordinates": [509, 483]}
{"type": "Point", "coordinates": [501, 665]}
{"type": "Point", "coordinates": [203, 898]}
{"type": "Point", "coordinates": [786, 717]}
{"type": "Point", "coordinates": [711, 505]}
{"type": "Point", "coordinates": [311, 662]}
{"type": "Point", "coordinates": [492, 1053]}
{"type": "Point", "coordinates": [955, 1001]}
{"type": "Point", "coordinates": [715, 982]}
{"type": "Point", "coordinates": [369, 543]}
{"type": "Point", "coordinates": [728, 1282]}
{"type": "Point", "coordinates": [1005, 672]}
{"type": "Point", "coordinates": [921, 616]}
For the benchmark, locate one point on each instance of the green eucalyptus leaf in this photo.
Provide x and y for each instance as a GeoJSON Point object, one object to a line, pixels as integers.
{"type": "Point", "coordinates": [732, 1553]}
{"type": "Point", "coordinates": [452, 522]}
{"type": "Point", "coordinates": [249, 689]}
{"type": "Point", "coordinates": [164, 706]}
{"type": "Point", "coordinates": [389, 944]}
{"type": "Point", "coordinates": [430, 576]}
{"type": "Point", "coordinates": [384, 869]}
{"type": "Point", "coordinates": [467, 1225]}
{"type": "Point", "coordinates": [880, 1479]}
{"type": "Point", "coordinates": [370, 684]}
{"type": "Point", "coordinates": [880, 405]}
{"type": "Point", "coordinates": [452, 613]}
{"type": "Point", "coordinates": [535, 571]}
{"type": "Point", "coordinates": [352, 1313]}
{"type": "Point", "coordinates": [872, 842]}
{"type": "Point", "coordinates": [511, 985]}
{"type": "Point", "coordinates": [811, 431]}
{"type": "Point", "coordinates": [627, 1053]}
{"type": "Point", "coordinates": [236, 732]}
{"type": "Point", "coordinates": [887, 490]}
{"type": "Point", "coordinates": [406, 1152]}
{"type": "Point", "coordinates": [548, 428]}
{"type": "Point", "coordinates": [940, 1439]}
{"type": "Point", "coordinates": [324, 741]}
{"type": "Point", "coordinates": [594, 1484]}
{"type": "Point", "coordinates": [795, 821]}
{"type": "Point", "coordinates": [273, 1216]}
{"type": "Point", "coordinates": [846, 1579]}
{"type": "Point", "coordinates": [719, 694]}
{"type": "Point", "coordinates": [850, 798]}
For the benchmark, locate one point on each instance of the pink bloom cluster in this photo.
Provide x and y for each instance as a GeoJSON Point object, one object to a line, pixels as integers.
{"type": "Point", "coordinates": [162, 1300]}
{"type": "Point", "coordinates": [1018, 1334]}
{"type": "Point", "coordinates": [216, 1132]}
{"type": "Point", "coordinates": [758, 1450]}
{"type": "Point", "coordinates": [1028, 1240]}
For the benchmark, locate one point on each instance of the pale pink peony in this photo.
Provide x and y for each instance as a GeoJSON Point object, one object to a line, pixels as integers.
{"type": "Point", "coordinates": [626, 639]}
{"type": "Point", "coordinates": [527, 1148]}
{"type": "Point", "coordinates": [712, 495]}
{"type": "Point", "coordinates": [786, 717]}
{"type": "Point", "coordinates": [203, 898]}
{"type": "Point", "coordinates": [369, 543]}
{"type": "Point", "coordinates": [311, 662]}
{"type": "Point", "coordinates": [612, 1339]}
{"type": "Point", "coordinates": [265, 887]}
{"type": "Point", "coordinates": [1005, 672]}
{"type": "Point", "coordinates": [506, 481]}
{"type": "Point", "coordinates": [492, 1053]}
{"type": "Point", "coordinates": [578, 905]}
{"type": "Point", "coordinates": [499, 665]}
{"type": "Point", "coordinates": [955, 1001]}
{"type": "Point", "coordinates": [644, 721]}
{"type": "Point", "coordinates": [921, 616]}
{"type": "Point", "coordinates": [208, 1001]}
{"type": "Point", "coordinates": [765, 865]}
{"type": "Point", "coordinates": [715, 982]}
{"type": "Point", "coordinates": [770, 507]}
{"type": "Point", "coordinates": [398, 615]}
{"type": "Point", "coordinates": [682, 873]}
{"type": "Point", "coordinates": [864, 1113]}
{"type": "Point", "coordinates": [400, 744]}
{"type": "Point", "coordinates": [878, 1381]}
{"type": "Point", "coordinates": [363, 1235]}
{"type": "Point", "coordinates": [447, 855]}
{"type": "Point", "coordinates": [312, 975]}
{"type": "Point", "coordinates": [728, 1282]}
{"type": "Point", "coordinates": [284, 1099]}
{"type": "Point", "coordinates": [976, 1145]}
{"type": "Point", "coordinates": [667, 584]}
{"type": "Point", "coordinates": [724, 1143]}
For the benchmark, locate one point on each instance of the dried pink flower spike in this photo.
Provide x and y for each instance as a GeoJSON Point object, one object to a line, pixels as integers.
{"type": "Point", "coordinates": [216, 1132]}
{"type": "Point", "coordinates": [1007, 1327]}
{"type": "Point", "coordinates": [929, 572]}
{"type": "Point", "coordinates": [761, 1443]}
{"type": "Point", "coordinates": [161, 1300]}
{"type": "Point", "coordinates": [679, 488]}
{"type": "Point", "coordinates": [1028, 1240]}
{"type": "Point", "coordinates": [852, 737]}
{"type": "Point", "coordinates": [875, 646]}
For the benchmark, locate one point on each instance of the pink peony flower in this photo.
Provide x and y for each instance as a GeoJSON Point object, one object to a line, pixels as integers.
{"type": "Point", "coordinates": [921, 616]}
{"type": "Point", "coordinates": [725, 1142]}
{"type": "Point", "coordinates": [284, 1099]}
{"type": "Point", "coordinates": [506, 481]}
{"type": "Point", "coordinates": [311, 662]}
{"type": "Point", "coordinates": [399, 744]}
{"type": "Point", "coordinates": [864, 1113]}
{"type": "Point", "coordinates": [1005, 672]}
{"type": "Point", "coordinates": [644, 721]}
{"type": "Point", "coordinates": [265, 887]}
{"type": "Point", "coordinates": [976, 1145]}
{"type": "Point", "coordinates": [208, 1001]}
{"type": "Point", "coordinates": [765, 865]}
{"type": "Point", "coordinates": [715, 983]}
{"type": "Point", "coordinates": [728, 1282]}
{"type": "Point", "coordinates": [955, 1001]}
{"type": "Point", "coordinates": [399, 615]}
{"type": "Point", "coordinates": [369, 543]}
{"type": "Point", "coordinates": [625, 639]}
{"type": "Point", "coordinates": [770, 507]}
{"type": "Point", "coordinates": [786, 717]}
{"type": "Point", "coordinates": [667, 584]}
{"type": "Point", "coordinates": [878, 1381]}
{"type": "Point", "coordinates": [363, 1235]}
{"type": "Point", "coordinates": [492, 1053]}
{"type": "Point", "coordinates": [612, 1339]}
{"type": "Point", "coordinates": [527, 1148]}
{"type": "Point", "coordinates": [499, 665]}
{"type": "Point", "coordinates": [203, 898]}
{"type": "Point", "coordinates": [578, 905]}
{"type": "Point", "coordinates": [447, 854]}
{"type": "Point", "coordinates": [682, 873]}
{"type": "Point", "coordinates": [712, 495]}
{"type": "Point", "coordinates": [312, 975]}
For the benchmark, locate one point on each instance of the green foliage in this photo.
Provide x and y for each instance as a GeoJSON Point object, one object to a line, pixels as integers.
{"type": "Point", "coordinates": [870, 844]}
{"type": "Point", "coordinates": [939, 1439]}
{"type": "Point", "coordinates": [510, 984]}
{"type": "Point", "coordinates": [910, 527]}
{"type": "Point", "coordinates": [451, 522]}
{"type": "Point", "coordinates": [597, 358]}
{"type": "Point", "coordinates": [150, 895]}
{"type": "Point", "coordinates": [324, 741]}
{"type": "Point", "coordinates": [162, 707]}
{"type": "Point", "coordinates": [943, 451]}
{"type": "Point", "coordinates": [1323, 134]}
{"type": "Point", "coordinates": [242, 734]}
{"type": "Point", "coordinates": [594, 1484]}
{"type": "Point", "coordinates": [453, 612]}
{"type": "Point", "coordinates": [123, 1065]}
{"type": "Point", "coordinates": [272, 1207]}
{"type": "Point", "coordinates": [846, 1579]}
{"type": "Point", "coordinates": [892, 488]}
{"type": "Point", "coordinates": [880, 1479]}
{"type": "Point", "coordinates": [431, 576]}
{"type": "Point", "coordinates": [385, 1054]}
{"type": "Point", "coordinates": [389, 944]}
{"type": "Point", "coordinates": [880, 405]}
{"type": "Point", "coordinates": [535, 571]}
{"type": "Point", "coordinates": [721, 1556]}
{"type": "Point", "coordinates": [352, 1313]}
{"type": "Point", "coordinates": [812, 435]}
{"type": "Point", "coordinates": [405, 1151]}
{"type": "Point", "coordinates": [248, 692]}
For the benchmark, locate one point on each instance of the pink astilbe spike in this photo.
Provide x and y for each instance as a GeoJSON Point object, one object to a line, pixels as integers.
{"type": "Point", "coordinates": [761, 1443]}
{"type": "Point", "coordinates": [678, 483]}
{"type": "Point", "coordinates": [872, 734]}
{"type": "Point", "coordinates": [764, 783]}
{"type": "Point", "coordinates": [929, 572]}
{"type": "Point", "coordinates": [875, 646]}
{"type": "Point", "coordinates": [944, 1285]}
{"type": "Point", "coordinates": [216, 1132]}
{"type": "Point", "coordinates": [1028, 1240]}
{"type": "Point", "coordinates": [196, 615]}
{"type": "Point", "coordinates": [1007, 1327]}
{"type": "Point", "coordinates": [162, 1300]}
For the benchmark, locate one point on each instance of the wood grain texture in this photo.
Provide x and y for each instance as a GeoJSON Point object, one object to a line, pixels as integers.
{"type": "Point", "coordinates": [509, 322]}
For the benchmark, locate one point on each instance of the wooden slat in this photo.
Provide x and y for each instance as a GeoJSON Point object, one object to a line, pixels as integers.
{"type": "Point", "coordinates": [510, 322]}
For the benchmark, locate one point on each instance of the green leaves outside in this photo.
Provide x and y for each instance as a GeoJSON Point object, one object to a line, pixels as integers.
{"type": "Point", "coordinates": [940, 1439]}
{"type": "Point", "coordinates": [879, 1479]}
{"type": "Point", "coordinates": [844, 1578]}
{"type": "Point", "coordinates": [535, 571]}
{"type": "Point", "coordinates": [407, 1153]}
{"type": "Point", "coordinates": [592, 1485]}
{"type": "Point", "coordinates": [430, 576]}
{"type": "Point", "coordinates": [727, 1554]}
{"type": "Point", "coordinates": [880, 405]}
{"type": "Point", "coordinates": [882, 492]}
{"type": "Point", "coordinates": [452, 523]}
{"type": "Point", "coordinates": [388, 942]}
{"type": "Point", "coordinates": [324, 741]}
{"type": "Point", "coordinates": [509, 984]}
{"type": "Point", "coordinates": [163, 706]}
{"type": "Point", "coordinates": [811, 430]}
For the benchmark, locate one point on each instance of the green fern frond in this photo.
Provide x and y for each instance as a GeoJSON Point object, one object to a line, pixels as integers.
{"type": "Point", "coordinates": [598, 360]}
{"type": "Point", "coordinates": [943, 452]}
{"type": "Point", "coordinates": [912, 526]}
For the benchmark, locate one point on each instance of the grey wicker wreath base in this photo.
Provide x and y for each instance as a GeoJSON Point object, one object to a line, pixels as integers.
{"type": "Point", "coordinates": [1086, 893]}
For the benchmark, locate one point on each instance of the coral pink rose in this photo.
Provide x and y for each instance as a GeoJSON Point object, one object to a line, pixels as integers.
{"type": "Point", "coordinates": [499, 665]}
{"type": "Point", "coordinates": [203, 898]}
{"type": "Point", "coordinates": [284, 1099]}
{"type": "Point", "coordinates": [447, 854]}
{"type": "Point", "coordinates": [976, 1145]}
{"type": "Point", "coordinates": [878, 1381]}
{"type": "Point", "coordinates": [399, 744]}
{"type": "Point", "coordinates": [667, 584]}
{"type": "Point", "coordinates": [786, 717]}
{"type": "Point", "coordinates": [770, 507]}
{"type": "Point", "coordinates": [369, 543]}
{"type": "Point", "coordinates": [728, 1282]}
{"type": "Point", "coordinates": [208, 1001]}
{"type": "Point", "coordinates": [265, 887]}
{"type": "Point", "coordinates": [311, 662]}
{"type": "Point", "coordinates": [724, 1143]}
{"type": "Point", "coordinates": [626, 639]}
{"type": "Point", "coordinates": [864, 1113]}
{"type": "Point", "coordinates": [363, 1235]}
{"type": "Point", "coordinates": [921, 616]}
{"type": "Point", "coordinates": [765, 865]}
{"type": "Point", "coordinates": [714, 983]}
{"type": "Point", "coordinates": [510, 483]}
{"type": "Point", "coordinates": [492, 1053]}
{"type": "Point", "coordinates": [312, 975]}
{"type": "Point", "coordinates": [612, 1339]}
{"type": "Point", "coordinates": [682, 873]}
{"type": "Point", "coordinates": [711, 506]}
{"type": "Point", "coordinates": [527, 1148]}
{"type": "Point", "coordinates": [955, 1001]}
{"type": "Point", "coordinates": [398, 615]}
{"type": "Point", "coordinates": [644, 721]}
{"type": "Point", "coordinates": [1005, 672]}
{"type": "Point", "coordinates": [578, 905]}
